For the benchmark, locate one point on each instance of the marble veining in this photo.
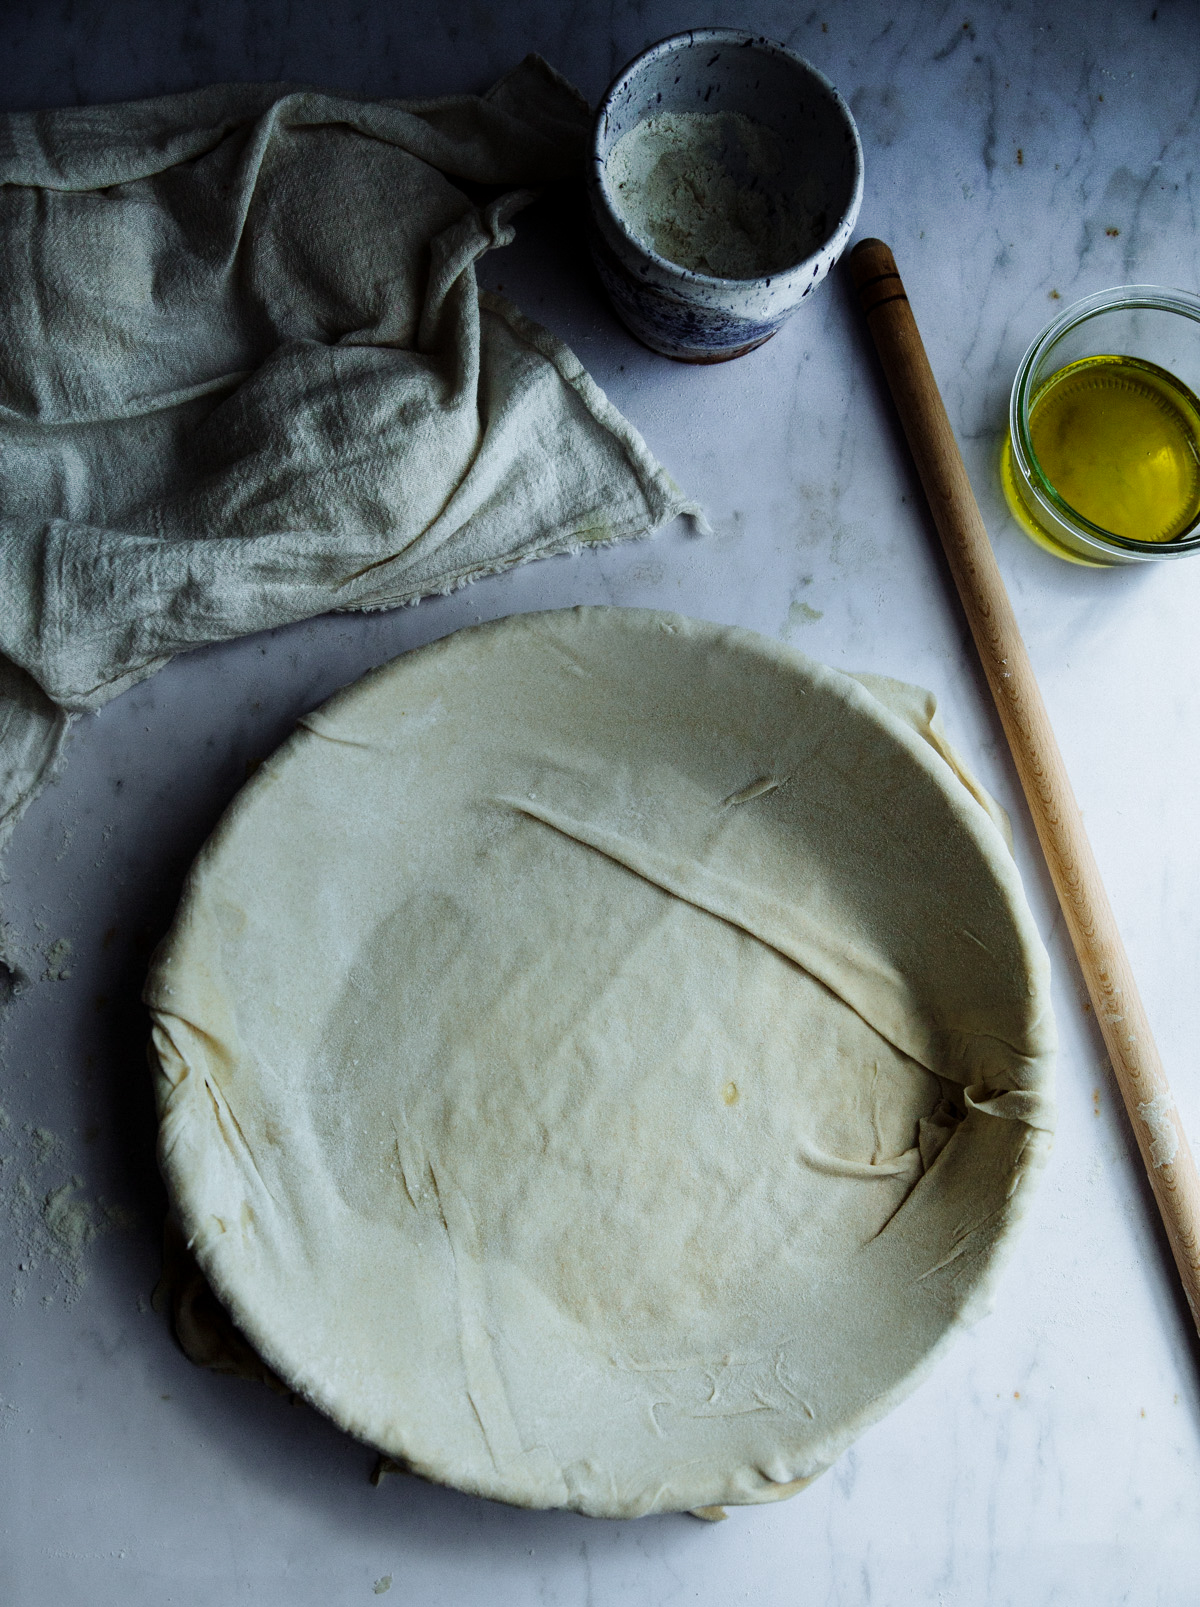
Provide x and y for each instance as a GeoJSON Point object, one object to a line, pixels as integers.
{"type": "Point", "coordinates": [1017, 157]}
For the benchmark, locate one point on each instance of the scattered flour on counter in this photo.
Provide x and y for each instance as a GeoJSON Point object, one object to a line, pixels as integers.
{"type": "Point", "coordinates": [46, 1146]}
{"type": "Point", "coordinates": [712, 191]}
{"type": "Point", "coordinates": [52, 1220]}
{"type": "Point", "coordinates": [71, 1224]}
{"type": "Point", "coordinates": [57, 958]}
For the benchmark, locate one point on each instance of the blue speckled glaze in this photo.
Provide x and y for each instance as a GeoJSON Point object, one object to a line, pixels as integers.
{"type": "Point", "coordinates": [697, 317]}
{"type": "Point", "coordinates": [670, 323]}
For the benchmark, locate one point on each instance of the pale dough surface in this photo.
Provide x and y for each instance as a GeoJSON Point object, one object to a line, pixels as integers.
{"type": "Point", "coordinates": [601, 1056]}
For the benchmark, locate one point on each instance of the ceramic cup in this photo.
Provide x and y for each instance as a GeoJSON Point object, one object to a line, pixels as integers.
{"type": "Point", "coordinates": [698, 317]}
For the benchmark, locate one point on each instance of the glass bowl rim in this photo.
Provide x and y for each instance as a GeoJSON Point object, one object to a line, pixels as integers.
{"type": "Point", "coordinates": [1120, 298]}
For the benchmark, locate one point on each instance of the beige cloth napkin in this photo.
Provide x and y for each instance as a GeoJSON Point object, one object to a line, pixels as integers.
{"type": "Point", "coordinates": [246, 377]}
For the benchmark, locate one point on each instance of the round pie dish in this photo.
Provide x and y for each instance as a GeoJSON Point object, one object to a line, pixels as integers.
{"type": "Point", "coordinates": [602, 1057]}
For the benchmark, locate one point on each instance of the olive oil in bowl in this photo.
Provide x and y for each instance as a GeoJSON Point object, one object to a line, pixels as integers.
{"type": "Point", "coordinates": [1119, 440]}
{"type": "Point", "coordinates": [1102, 463]}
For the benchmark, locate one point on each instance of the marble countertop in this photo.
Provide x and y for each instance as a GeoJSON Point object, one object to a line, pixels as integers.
{"type": "Point", "coordinates": [1017, 157]}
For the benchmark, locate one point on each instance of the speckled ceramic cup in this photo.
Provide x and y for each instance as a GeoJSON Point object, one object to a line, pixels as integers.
{"type": "Point", "coordinates": [693, 316]}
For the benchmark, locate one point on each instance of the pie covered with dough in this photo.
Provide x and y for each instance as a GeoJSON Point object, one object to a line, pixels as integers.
{"type": "Point", "coordinates": [601, 1057]}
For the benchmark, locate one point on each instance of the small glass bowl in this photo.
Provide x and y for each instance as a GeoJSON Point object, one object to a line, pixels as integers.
{"type": "Point", "coordinates": [1159, 330]}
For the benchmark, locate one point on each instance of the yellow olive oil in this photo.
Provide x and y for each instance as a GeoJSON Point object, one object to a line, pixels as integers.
{"type": "Point", "coordinates": [1119, 440]}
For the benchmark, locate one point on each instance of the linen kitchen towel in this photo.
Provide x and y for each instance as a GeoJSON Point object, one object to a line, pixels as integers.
{"type": "Point", "coordinates": [246, 377]}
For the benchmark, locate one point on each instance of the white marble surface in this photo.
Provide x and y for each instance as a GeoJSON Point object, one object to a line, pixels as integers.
{"type": "Point", "coordinates": [1015, 155]}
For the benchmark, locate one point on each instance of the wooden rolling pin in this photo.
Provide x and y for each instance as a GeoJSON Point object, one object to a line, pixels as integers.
{"type": "Point", "coordinates": [1073, 869]}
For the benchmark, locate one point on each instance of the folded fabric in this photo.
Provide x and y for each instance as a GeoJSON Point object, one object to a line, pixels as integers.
{"type": "Point", "coordinates": [246, 377]}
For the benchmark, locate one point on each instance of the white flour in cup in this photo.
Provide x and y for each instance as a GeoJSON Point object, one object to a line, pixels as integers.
{"type": "Point", "coordinates": [711, 191]}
